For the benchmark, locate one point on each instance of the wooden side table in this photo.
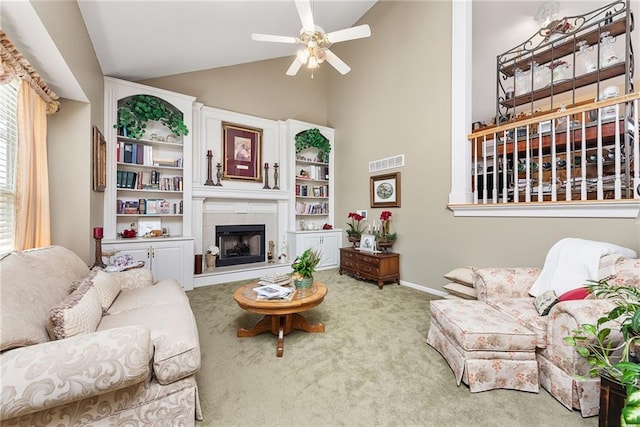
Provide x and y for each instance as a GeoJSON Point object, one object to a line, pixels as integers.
{"type": "Point", "coordinates": [380, 267]}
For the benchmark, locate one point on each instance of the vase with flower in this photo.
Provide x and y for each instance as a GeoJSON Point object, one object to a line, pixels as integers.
{"type": "Point", "coordinates": [384, 238]}
{"type": "Point", "coordinates": [355, 227]}
{"type": "Point", "coordinates": [210, 257]}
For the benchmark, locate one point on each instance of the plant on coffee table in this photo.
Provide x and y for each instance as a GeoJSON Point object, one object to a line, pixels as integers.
{"type": "Point", "coordinates": [304, 266]}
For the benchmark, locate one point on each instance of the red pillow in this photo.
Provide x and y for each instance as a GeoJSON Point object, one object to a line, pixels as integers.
{"type": "Point", "coordinates": [577, 293]}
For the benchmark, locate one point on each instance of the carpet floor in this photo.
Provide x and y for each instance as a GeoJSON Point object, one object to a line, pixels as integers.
{"type": "Point", "coordinates": [371, 367]}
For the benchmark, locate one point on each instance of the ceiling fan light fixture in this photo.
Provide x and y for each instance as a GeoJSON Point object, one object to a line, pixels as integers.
{"type": "Point", "coordinates": [303, 55]}
{"type": "Point", "coordinates": [313, 63]}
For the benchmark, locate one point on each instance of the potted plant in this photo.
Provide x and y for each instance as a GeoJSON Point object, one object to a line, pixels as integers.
{"type": "Point", "coordinates": [210, 257]}
{"type": "Point", "coordinates": [304, 266]}
{"type": "Point", "coordinates": [384, 237]}
{"type": "Point", "coordinates": [312, 138]}
{"type": "Point", "coordinates": [614, 355]}
{"type": "Point", "coordinates": [136, 111]}
{"type": "Point", "coordinates": [355, 227]}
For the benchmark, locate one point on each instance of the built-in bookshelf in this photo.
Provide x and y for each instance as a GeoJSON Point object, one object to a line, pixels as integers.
{"type": "Point", "coordinates": [312, 198]}
{"type": "Point", "coordinates": [149, 185]}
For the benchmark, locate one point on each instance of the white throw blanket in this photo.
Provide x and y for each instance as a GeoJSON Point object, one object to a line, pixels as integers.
{"type": "Point", "coordinates": [572, 262]}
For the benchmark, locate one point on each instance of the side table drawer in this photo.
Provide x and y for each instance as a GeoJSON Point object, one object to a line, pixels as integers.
{"type": "Point", "coordinates": [349, 263]}
{"type": "Point", "coordinates": [368, 260]}
{"type": "Point", "coordinates": [364, 268]}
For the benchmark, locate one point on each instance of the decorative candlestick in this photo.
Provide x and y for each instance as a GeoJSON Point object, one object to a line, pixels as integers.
{"type": "Point", "coordinates": [98, 233]}
{"type": "Point", "coordinates": [275, 176]}
{"type": "Point", "coordinates": [218, 174]}
{"type": "Point", "coordinates": [209, 169]}
{"type": "Point", "coordinates": [266, 177]}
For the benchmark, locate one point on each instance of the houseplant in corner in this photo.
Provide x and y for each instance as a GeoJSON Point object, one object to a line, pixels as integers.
{"type": "Point", "coordinates": [612, 345]}
{"type": "Point", "coordinates": [304, 266]}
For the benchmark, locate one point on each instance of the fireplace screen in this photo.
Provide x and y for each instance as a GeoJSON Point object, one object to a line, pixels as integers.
{"type": "Point", "coordinates": [240, 244]}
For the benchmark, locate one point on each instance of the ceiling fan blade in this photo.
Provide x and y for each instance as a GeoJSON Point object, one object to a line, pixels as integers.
{"type": "Point", "coordinates": [294, 67]}
{"type": "Point", "coordinates": [358, 32]}
{"type": "Point", "coordinates": [270, 38]}
{"type": "Point", "coordinates": [306, 15]}
{"type": "Point", "coordinates": [337, 63]}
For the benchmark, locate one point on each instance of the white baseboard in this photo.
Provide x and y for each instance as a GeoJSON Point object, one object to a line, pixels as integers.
{"type": "Point", "coordinates": [426, 289]}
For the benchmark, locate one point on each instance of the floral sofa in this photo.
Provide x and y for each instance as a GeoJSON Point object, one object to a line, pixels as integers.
{"type": "Point", "coordinates": [82, 347]}
{"type": "Point", "coordinates": [561, 370]}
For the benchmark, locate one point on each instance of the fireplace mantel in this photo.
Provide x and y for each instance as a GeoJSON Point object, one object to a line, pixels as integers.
{"type": "Point", "coordinates": [208, 192]}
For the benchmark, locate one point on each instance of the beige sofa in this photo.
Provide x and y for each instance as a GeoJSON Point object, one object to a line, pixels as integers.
{"type": "Point", "coordinates": [486, 355]}
{"type": "Point", "coordinates": [127, 350]}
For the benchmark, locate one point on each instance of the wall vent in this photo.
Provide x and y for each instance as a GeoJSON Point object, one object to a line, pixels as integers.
{"type": "Point", "coordinates": [388, 163]}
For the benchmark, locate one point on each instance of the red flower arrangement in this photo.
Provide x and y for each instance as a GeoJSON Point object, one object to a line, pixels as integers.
{"type": "Point", "coordinates": [385, 215]}
{"type": "Point", "coordinates": [355, 229]}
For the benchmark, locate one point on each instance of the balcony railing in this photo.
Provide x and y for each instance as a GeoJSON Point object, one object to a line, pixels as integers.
{"type": "Point", "coordinates": [582, 154]}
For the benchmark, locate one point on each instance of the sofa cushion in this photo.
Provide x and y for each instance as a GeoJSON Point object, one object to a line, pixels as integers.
{"type": "Point", "coordinates": [166, 291]}
{"type": "Point", "coordinates": [78, 314]}
{"type": "Point", "coordinates": [573, 294]}
{"type": "Point", "coordinates": [476, 326]}
{"type": "Point", "coordinates": [107, 287]}
{"type": "Point", "coordinates": [523, 311]}
{"type": "Point", "coordinates": [462, 275]}
{"type": "Point", "coordinates": [173, 332]}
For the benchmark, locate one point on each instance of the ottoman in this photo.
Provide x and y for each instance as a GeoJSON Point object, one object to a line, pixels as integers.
{"type": "Point", "coordinates": [485, 348]}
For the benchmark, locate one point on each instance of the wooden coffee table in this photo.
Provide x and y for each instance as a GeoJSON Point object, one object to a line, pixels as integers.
{"type": "Point", "coordinates": [280, 317]}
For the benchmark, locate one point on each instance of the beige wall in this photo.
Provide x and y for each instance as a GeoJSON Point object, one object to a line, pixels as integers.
{"type": "Point", "coordinates": [259, 88]}
{"type": "Point", "coordinates": [75, 208]}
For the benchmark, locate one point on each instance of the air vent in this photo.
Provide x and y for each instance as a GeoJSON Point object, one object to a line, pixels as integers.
{"type": "Point", "coordinates": [388, 163]}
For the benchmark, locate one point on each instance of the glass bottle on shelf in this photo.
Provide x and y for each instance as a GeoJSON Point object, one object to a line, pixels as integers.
{"type": "Point", "coordinates": [585, 57]}
{"type": "Point", "coordinates": [523, 82]}
{"type": "Point", "coordinates": [541, 76]}
{"type": "Point", "coordinates": [607, 52]}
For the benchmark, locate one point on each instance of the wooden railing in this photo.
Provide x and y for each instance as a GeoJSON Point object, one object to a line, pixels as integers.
{"type": "Point", "coordinates": [584, 153]}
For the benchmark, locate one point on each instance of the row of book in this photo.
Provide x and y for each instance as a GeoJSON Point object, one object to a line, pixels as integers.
{"type": "Point", "coordinates": [314, 172]}
{"type": "Point", "coordinates": [148, 207]}
{"type": "Point", "coordinates": [148, 180]}
{"type": "Point", "coordinates": [304, 190]}
{"type": "Point", "coordinates": [312, 208]}
{"type": "Point", "coordinates": [140, 154]}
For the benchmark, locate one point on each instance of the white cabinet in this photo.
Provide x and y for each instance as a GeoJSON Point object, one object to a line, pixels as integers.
{"type": "Point", "coordinates": [326, 242]}
{"type": "Point", "coordinates": [166, 258]}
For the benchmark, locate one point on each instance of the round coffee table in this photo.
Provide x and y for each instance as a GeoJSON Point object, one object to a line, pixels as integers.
{"type": "Point", "coordinates": [280, 317]}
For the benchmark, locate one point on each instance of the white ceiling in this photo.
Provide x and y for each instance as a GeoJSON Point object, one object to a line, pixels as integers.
{"type": "Point", "coordinates": [142, 39]}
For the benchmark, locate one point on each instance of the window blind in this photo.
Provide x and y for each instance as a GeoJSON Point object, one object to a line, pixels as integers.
{"type": "Point", "coordinates": [8, 160]}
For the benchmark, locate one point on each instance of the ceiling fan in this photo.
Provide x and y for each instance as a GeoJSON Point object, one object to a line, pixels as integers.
{"type": "Point", "coordinates": [316, 42]}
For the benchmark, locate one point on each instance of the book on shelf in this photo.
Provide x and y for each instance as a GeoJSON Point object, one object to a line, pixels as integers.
{"type": "Point", "coordinates": [274, 292]}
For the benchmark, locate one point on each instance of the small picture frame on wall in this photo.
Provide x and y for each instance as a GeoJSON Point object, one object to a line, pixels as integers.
{"type": "Point", "coordinates": [99, 160]}
{"type": "Point", "coordinates": [385, 190]}
{"type": "Point", "coordinates": [368, 243]}
{"type": "Point", "coordinates": [242, 152]}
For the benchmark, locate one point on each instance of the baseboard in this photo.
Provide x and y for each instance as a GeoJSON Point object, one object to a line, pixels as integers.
{"type": "Point", "coordinates": [422, 288]}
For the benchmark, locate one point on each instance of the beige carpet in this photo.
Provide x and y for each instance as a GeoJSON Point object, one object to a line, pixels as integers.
{"type": "Point", "coordinates": [371, 367]}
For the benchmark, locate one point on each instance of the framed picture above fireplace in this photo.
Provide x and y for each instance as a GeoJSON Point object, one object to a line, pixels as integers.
{"type": "Point", "coordinates": [242, 152]}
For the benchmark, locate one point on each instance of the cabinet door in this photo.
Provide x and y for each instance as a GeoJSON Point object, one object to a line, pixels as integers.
{"type": "Point", "coordinates": [139, 251]}
{"type": "Point", "coordinates": [326, 244]}
{"type": "Point", "coordinates": [167, 262]}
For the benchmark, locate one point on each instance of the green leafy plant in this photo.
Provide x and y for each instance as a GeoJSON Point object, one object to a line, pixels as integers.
{"type": "Point", "coordinates": [614, 356]}
{"type": "Point", "coordinates": [136, 111]}
{"type": "Point", "coordinates": [312, 138]}
{"type": "Point", "coordinates": [305, 265]}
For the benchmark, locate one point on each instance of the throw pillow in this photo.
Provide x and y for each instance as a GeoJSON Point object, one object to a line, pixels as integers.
{"type": "Point", "coordinates": [545, 301]}
{"type": "Point", "coordinates": [462, 275]}
{"type": "Point", "coordinates": [78, 283]}
{"type": "Point", "coordinates": [107, 287]}
{"type": "Point", "coordinates": [578, 293]}
{"type": "Point", "coordinates": [79, 313]}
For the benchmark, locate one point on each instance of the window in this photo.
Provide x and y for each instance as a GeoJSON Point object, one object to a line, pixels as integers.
{"type": "Point", "coordinates": [8, 157]}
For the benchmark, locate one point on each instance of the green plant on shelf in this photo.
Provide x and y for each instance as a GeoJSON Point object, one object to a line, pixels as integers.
{"type": "Point", "coordinates": [312, 138]}
{"type": "Point", "coordinates": [139, 109]}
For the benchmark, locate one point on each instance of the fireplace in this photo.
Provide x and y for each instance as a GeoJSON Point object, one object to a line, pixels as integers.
{"type": "Point", "coordinates": [240, 244]}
